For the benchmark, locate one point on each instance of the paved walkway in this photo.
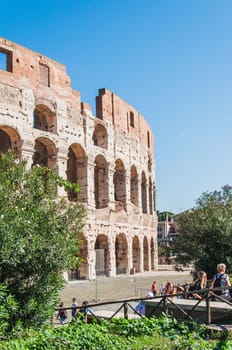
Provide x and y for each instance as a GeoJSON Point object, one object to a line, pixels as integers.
{"type": "Point", "coordinates": [120, 287]}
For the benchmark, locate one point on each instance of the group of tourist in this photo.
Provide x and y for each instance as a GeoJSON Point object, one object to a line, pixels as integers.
{"type": "Point", "coordinates": [77, 313]}
{"type": "Point", "coordinates": [220, 279]}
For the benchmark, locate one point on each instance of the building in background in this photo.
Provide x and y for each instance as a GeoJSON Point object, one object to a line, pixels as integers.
{"type": "Point", "coordinates": [111, 156]}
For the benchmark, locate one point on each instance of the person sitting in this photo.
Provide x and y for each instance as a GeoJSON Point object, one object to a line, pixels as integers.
{"type": "Point", "coordinates": [179, 290]}
{"type": "Point", "coordinates": [140, 308]}
{"type": "Point", "coordinates": [169, 289]}
{"type": "Point", "coordinates": [198, 284]}
{"type": "Point", "coordinates": [221, 279]}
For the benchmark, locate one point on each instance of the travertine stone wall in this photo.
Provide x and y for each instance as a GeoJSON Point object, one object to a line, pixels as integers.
{"type": "Point", "coordinates": [110, 155]}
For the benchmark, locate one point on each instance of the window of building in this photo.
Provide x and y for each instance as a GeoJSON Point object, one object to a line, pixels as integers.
{"type": "Point", "coordinates": [148, 139]}
{"type": "Point", "coordinates": [132, 120]}
{"type": "Point", "coordinates": [5, 60]}
{"type": "Point", "coordinates": [44, 75]}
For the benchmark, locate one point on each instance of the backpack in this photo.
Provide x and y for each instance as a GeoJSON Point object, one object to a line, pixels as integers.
{"type": "Point", "coordinates": [217, 284]}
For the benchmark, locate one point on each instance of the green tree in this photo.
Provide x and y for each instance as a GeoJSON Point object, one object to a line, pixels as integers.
{"type": "Point", "coordinates": [205, 232]}
{"type": "Point", "coordinates": [38, 237]}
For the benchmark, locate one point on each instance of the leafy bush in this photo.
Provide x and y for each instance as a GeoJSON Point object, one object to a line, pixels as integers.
{"type": "Point", "coordinates": [39, 238]}
{"type": "Point", "coordinates": [8, 308]}
{"type": "Point", "coordinates": [157, 334]}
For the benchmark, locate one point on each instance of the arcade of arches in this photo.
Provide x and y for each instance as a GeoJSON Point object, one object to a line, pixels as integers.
{"type": "Point", "coordinates": [111, 255]}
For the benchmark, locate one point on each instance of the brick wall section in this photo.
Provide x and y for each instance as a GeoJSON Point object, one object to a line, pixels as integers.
{"type": "Point", "coordinates": [114, 109]}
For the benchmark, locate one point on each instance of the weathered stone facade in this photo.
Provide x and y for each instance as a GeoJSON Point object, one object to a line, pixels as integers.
{"type": "Point", "coordinates": [111, 156]}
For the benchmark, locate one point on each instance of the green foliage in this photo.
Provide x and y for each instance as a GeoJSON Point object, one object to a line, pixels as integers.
{"type": "Point", "coordinates": [205, 232]}
{"type": "Point", "coordinates": [38, 235]}
{"type": "Point", "coordinates": [8, 308]}
{"type": "Point", "coordinates": [162, 215]}
{"type": "Point", "coordinates": [154, 333]}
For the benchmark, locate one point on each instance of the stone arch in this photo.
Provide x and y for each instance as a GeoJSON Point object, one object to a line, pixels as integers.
{"type": "Point", "coordinates": [134, 195]}
{"type": "Point", "coordinates": [77, 172]}
{"type": "Point", "coordinates": [100, 136]}
{"type": "Point", "coordinates": [144, 193]}
{"type": "Point", "coordinates": [121, 254]}
{"type": "Point", "coordinates": [102, 255]}
{"type": "Point", "coordinates": [145, 254]}
{"type": "Point", "coordinates": [150, 196]}
{"type": "Point", "coordinates": [44, 118]}
{"type": "Point", "coordinates": [120, 185]}
{"type": "Point", "coordinates": [82, 271]}
{"type": "Point", "coordinates": [10, 140]}
{"type": "Point", "coordinates": [101, 191]}
{"type": "Point", "coordinates": [152, 254]}
{"type": "Point", "coordinates": [136, 254]}
{"type": "Point", "coordinates": [45, 153]}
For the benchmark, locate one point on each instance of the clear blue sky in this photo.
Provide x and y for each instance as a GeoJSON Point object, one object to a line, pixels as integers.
{"type": "Point", "coordinates": [170, 59]}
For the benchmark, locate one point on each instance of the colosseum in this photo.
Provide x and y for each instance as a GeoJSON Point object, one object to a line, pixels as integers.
{"type": "Point", "coordinates": [110, 154]}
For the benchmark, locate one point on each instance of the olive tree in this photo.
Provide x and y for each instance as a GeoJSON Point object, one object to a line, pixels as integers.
{"type": "Point", "coordinates": [205, 232]}
{"type": "Point", "coordinates": [38, 237]}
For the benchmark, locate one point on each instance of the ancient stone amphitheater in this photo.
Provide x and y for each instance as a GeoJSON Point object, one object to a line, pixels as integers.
{"type": "Point", "coordinates": [111, 156]}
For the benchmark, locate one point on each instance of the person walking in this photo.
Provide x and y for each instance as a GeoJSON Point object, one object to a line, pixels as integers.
{"type": "Point", "coordinates": [154, 288]}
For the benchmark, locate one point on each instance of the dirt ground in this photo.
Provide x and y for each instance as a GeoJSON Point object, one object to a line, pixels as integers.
{"type": "Point", "coordinates": [120, 287]}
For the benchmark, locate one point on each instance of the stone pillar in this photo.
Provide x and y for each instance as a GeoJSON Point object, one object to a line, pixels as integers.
{"type": "Point", "coordinates": [90, 184]}
{"type": "Point", "coordinates": [141, 255]}
{"type": "Point", "coordinates": [111, 238]}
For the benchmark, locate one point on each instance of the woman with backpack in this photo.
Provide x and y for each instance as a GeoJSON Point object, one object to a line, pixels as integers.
{"type": "Point", "coordinates": [221, 279]}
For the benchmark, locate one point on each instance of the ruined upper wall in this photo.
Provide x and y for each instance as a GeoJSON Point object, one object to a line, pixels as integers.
{"type": "Point", "coordinates": [48, 80]}
{"type": "Point", "coordinates": [110, 107]}
{"type": "Point", "coordinates": [29, 69]}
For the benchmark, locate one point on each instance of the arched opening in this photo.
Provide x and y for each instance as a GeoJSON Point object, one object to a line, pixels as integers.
{"type": "Point", "coordinates": [121, 254]}
{"type": "Point", "coordinates": [102, 256]}
{"type": "Point", "coordinates": [101, 191]}
{"type": "Point", "coordinates": [44, 119]}
{"type": "Point", "coordinates": [82, 272]}
{"type": "Point", "coordinates": [10, 140]}
{"type": "Point", "coordinates": [100, 137]}
{"type": "Point", "coordinates": [134, 185]}
{"type": "Point", "coordinates": [154, 197]}
{"type": "Point", "coordinates": [120, 185]}
{"type": "Point", "coordinates": [144, 193]}
{"type": "Point", "coordinates": [136, 254]}
{"type": "Point", "coordinates": [145, 254]}
{"type": "Point", "coordinates": [149, 163]}
{"type": "Point", "coordinates": [77, 172]}
{"type": "Point", "coordinates": [45, 153]}
{"type": "Point", "coordinates": [150, 196]}
{"type": "Point", "coordinates": [152, 254]}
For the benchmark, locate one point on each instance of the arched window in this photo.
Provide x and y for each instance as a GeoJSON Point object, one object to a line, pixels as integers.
{"type": "Point", "coordinates": [121, 254]}
{"type": "Point", "coordinates": [101, 190]}
{"type": "Point", "coordinates": [10, 140]}
{"type": "Point", "coordinates": [134, 185]}
{"type": "Point", "coordinates": [77, 172]}
{"type": "Point", "coordinates": [144, 193]}
{"type": "Point", "coordinates": [100, 137]}
{"type": "Point", "coordinates": [136, 254]}
{"type": "Point", "coordinates": [44, 119]}
{"type": "Point", "coordinates": [145, 254]}
{"type": "Point", "coordinates": [150, 196]}
{"type": "Point", "coordinates": [45, 153]}
{"type": "Point", "coordinates": [120, 185]}
{"type": "Point", "coordinates": [102, 255]}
